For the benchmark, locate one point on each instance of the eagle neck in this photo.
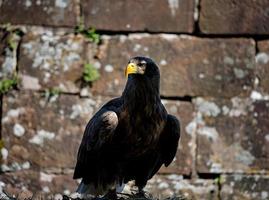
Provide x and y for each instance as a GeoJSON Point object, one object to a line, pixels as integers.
{"type": "Point", "coordinates": [141, 95]}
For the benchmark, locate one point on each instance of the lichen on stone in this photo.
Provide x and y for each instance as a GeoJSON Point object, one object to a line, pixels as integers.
{"type": "Point", "coordinates": [41, 136]}
{"type": "Point", "coordinates": [206, 107]}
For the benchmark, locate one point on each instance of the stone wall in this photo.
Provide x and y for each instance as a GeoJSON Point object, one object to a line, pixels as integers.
{"type": "Point", "coordinates": [214, 62]}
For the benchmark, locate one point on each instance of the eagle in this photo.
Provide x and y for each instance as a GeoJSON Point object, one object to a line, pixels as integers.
{"type": "Point", "coordinates": [130, 137]}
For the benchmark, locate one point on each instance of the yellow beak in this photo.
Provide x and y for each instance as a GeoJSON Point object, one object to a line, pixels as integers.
{"type": "Point", "coordinates": [131, 69]}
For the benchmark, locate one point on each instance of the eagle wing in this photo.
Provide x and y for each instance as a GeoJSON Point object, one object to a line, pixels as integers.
{"type": "Point", "coordinates": [169, 139]}
{"type": "Point", "coordinates": [98, 132]}
{"type": "Point", "coordinates": [167, 149]}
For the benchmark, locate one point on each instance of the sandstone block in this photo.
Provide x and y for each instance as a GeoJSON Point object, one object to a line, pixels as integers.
{"type": "Point", "coordinates": [183, 161]}
{"type": "Point", "coordinates": [244, 187]}
{"type": "Point", "coordinates": [188, 65]}
{"type": "Point", "coordinates": [44, 133]}
{"type": "Point", "coordinates": [8, 53]}
{"type": "Point", "coordinates": [51, 59]}
{"type": "Point", "coordinates": [262, 68]}
{"type": "Point", "coordinates": [234, 17]}
{"type": "Point", "coordinates": [37, 12]}
{"type": "Point", "coordinates": [140, 15]}
{"type": "Point", "coordinates": [232, 135]}
{"type": "Point", "coordinates": [29, 184]}
{"type": "Point", "coordinates": [163, 186]}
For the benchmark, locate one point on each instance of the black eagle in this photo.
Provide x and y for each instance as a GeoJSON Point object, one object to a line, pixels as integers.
{"type": "Point", "coordinates": [130, 137]}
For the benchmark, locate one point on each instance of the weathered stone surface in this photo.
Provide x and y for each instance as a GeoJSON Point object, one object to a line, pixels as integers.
{"type": "Point", "coordinates": [232, 135]}
{"type": "Point", "coordinates": [41, 133]}
{"type": "Point", "coordinates": [234, 17]}
{"type": "Point", "coordinates": [28, 131]}
{"type": "Point", "coordinates": [20, 184]}
{"type": "Point", "coordinates": [8, 53]}
{"type": "Point", "coordinates": [51, 59]}
{"type": "Point", "coordinates": [162, 187]}
{"type": "Point", "coordinates": [183, 161]}
{"type": "Point", "coordinates": [262, 67]}
{"type": "Point", "coordinates": [140, 15]}
{"type": "Point", "coordinates": [37, 12]}
{"type": "Point", "coordinates": [188, 65]}
{"type": "Point", "coordinates": [242, 187]}
{"type": "Point", "coordinates": [37, 184]}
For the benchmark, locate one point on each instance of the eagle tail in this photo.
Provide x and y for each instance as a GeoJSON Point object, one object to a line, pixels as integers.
{"type": "Point", "coordinates": [81, 188]}
{"type": "Point", "coordinates": [88, 190]}
{"type": "Point", "coordinates": [85, 189]}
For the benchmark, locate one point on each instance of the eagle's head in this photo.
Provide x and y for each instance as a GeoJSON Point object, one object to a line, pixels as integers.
{"type": "Point", "coordinates": [142, 67]}
{"type": "Point", "coordinates": [143, 82]}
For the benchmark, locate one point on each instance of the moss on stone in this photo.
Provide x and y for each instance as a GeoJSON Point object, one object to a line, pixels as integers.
{"type": "Point", "coordinates": [90, 73]}
{"type": "Point", "coordinates": [7, 84]}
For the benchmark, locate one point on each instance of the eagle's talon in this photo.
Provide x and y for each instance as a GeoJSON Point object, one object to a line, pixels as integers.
{"type": "Point", "coordinates": [111, 195]}
{"type": "Point", "coordinates": [141, 193]}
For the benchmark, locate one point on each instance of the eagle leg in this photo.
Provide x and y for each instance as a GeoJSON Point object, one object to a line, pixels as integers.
{"type": "Point", "coordinates": [141, 192]}
{"type": "Point", "coordinates": [111, 194]}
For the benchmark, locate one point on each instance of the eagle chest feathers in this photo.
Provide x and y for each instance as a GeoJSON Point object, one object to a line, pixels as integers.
{"type": "Point", "coordinates": [139, 132]}
{"type": "Point", "coordinates": [130, 137]}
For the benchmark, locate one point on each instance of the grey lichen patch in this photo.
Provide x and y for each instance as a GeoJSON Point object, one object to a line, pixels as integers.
{"type": "Point", "coordinates": [257, 96]}
{"type": "Point", "coordinates": [162, 186]}
{"type": "Point", "coordinates": [196, 11]}
{"type": "Point", "coordinates": [137, 47]}
{"type": "Point", "coordinates": [169, 37]}
{"type": "Point", "coordinates": [13, 114]}
{"type": "Point", "coordinates": [44, 177]}
{"type": "Point", "coordinates": [225, 110]}
{"type": "Point", "coordinates": [61, 3]}
{"type": "Point", "coordinates": [209, 132]}
{"type": "Point", "coordinates": [15, 166]}
{"type": "Point", "coordinates": [41, 136]}
{"type": "Point", "coordinates": [28, 3]}
{"type": "Point", "coordinates": [198, 125]}
{"type": "Point", "coordinates": [4, 153]}
{"type": "Point", "coordinates": [85, 108]}
{"type": "Point", "coordinates": [215, 167]}
{"type": "Point", "coordinates": [9, 64]}
{"type": "Point", "coordinates": [109, 68]}
{"type": "Point", "coordinates": [226, 142]}
{"type": "Point", "coordinates": [173, 5]}
{"type": "Point", "coordinates": [8, 49]}
{"type": "Point", "coordinates": [228, 60]}
{"type": "Point", "coordinates": [206, 107]}
{"type": "Point", "coordinates": [262, 58]}
{"type": "Point", "coordinates": [18, 130]}
{"type": "Point", "coordinates": [267, 137]}
{"type": "Point", "coordinates": [30, 82]}
{"type": "Point", "coordinates": [85, 92]}
{"type": "Point", "coordinates": [240, 106]}
{"type": "Point", "coordinates": [163, 62]}
{"type": "Point", "coordinates": [229, 158]}
{"type": "Point", "coordinates": [52, 59]}
{"type": "Point", "coordinates": [196, 122]}
{"type": "Point", "coordinates": [245, 187]}
{"type": "Point", "coordinates": [51, 51]}
{"type": "Point", "coordinates": [243, 156]}
{"type": "Point", "coordinates": [264, 195]}
{"type": "Point", "coordinates": [239, 73]}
